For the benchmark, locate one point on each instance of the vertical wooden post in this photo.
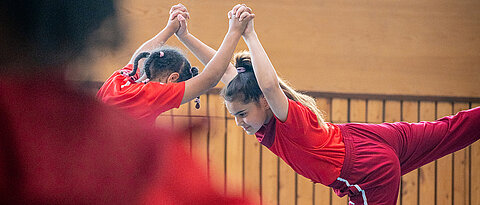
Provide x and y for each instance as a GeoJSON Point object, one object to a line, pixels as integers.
{"type": "Point", "coordinates": [322, 192]}
{"type": "Point", "coordinates": [444, 176]}
{"type": "Point", "coordinates": [340, 114]}
{"type": "Point", "coordinates": [427, 172]}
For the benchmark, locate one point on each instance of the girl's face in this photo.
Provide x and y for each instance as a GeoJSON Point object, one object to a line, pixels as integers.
{"type": "Point", "coordinates": [250, 116]}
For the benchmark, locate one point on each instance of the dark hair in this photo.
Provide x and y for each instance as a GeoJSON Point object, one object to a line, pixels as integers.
{"type": "Point", "coordinates": [164, 61]}
{"type": "Point", "coordinates": [244, 87]}
{"type": "Point", "coordinates": [56, 31]}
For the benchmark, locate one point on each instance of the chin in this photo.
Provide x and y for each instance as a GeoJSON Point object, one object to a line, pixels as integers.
{"type": "Point", "coordinates": [251, 132]}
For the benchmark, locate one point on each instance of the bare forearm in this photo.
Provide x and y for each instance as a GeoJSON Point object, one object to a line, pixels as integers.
{"type": "Point", "coordinates": [221, 59]}
{"type": "Point", "coordinates": [213, 70]}
{"type": "Point", "coordinates": [155, 42]}
{"type": "Point", "coordinates": [205, 53]}
{"type": "Point", "coordinates": [267, 77]}
{"type": "Point", "coordinates": [263, 68]}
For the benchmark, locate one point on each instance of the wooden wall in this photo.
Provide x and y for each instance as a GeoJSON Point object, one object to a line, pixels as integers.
{"type": "Point", "coordinates": [416, 48]}
{"type": "Point", "coordinates": [421, 47]}
{"type": "Point", "coordinates": [238, 163]}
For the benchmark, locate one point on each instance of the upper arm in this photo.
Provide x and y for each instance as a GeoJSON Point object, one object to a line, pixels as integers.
{"type": "Point", "coordinates": [157, 97]}
{"type": "Point", "coordinates": [278, 102]}
{"type": "Point", "coordinates": [132, 59]}
{"type": "Point", "coordinates": [205, 53]}
{"type": "Point", "coordinates": [230, 73]}
{"type": "Point", "coordinates": [196, 86]}
{"type": "Point", "coordinates": [138, 51]}
{"type": "Point", "coordinates": [200, 84]}
{"type": "Point", "coordinates": [156, 42]}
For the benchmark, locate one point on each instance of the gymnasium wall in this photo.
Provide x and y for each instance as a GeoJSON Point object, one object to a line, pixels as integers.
{"type": "Point", "coordinates": [422, 47]}
{"type": "Point", "coordinates": [371, 61]}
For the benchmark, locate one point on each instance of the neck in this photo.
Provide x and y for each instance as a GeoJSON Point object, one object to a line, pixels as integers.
{"type": "Point", "coordinates": [269, 116]}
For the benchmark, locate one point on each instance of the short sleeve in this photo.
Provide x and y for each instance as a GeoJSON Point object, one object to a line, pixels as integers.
{"type": "Point", "coordinates": [162, 97]}
{"type": "Point", "coordinates": [141, 101]}
{"type": "Point", "coordinates": [300, 119]}
{"type": "Point", "coordinates": [128, 67]}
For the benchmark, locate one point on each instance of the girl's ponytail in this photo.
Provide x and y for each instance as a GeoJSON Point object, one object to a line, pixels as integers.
{"type": "Point", "coordinates": [244, 87]}
{"type": "Point", "coordinates": [306, 100]}
{"type": "Point", "coordinates": [135, 63]}
{"type": "Point", "coordinates": [243, 60]}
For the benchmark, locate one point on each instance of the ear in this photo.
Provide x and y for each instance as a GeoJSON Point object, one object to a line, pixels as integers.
{"type": "Point", "coordinates": [172, 78]}
{"type": "Point", "coordinates": [264, 103]}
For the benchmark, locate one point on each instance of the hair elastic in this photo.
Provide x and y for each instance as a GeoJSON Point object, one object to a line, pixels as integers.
{"type": "Point", "coordinates": [197, 103]}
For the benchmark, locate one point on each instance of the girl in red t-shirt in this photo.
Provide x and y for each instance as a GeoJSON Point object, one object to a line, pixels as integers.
{"type": "Point", "coordinates": [364, 161]}
{"type": "Point", "coordinates": [166, 79]}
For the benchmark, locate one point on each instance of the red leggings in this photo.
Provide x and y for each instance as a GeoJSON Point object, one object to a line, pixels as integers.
{"type": "Point", "coordinates": [377, 155]}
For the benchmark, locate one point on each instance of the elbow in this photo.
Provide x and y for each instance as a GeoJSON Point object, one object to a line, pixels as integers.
{"type": "Point", "coordinates": [212, 81]}
{"type": "Point", "coordinates": [269, 86]}
{"type": "Point", "coordinates": [212, 85]}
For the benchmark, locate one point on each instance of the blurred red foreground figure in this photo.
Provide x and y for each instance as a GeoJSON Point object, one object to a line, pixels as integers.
{"type": "Point", "coordinates": [61, 146]}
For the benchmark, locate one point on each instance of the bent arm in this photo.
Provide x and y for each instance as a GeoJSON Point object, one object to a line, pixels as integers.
{"type": "Point", "coordinates": [155, 42]}
{"type": "Point", "coordinates": [215, 68]}
{"type": "Point", "coordinates": [159, 40]}
{"type": "Point", "coordinates": [267, 77]}
{"type": "Point", "coordinates": [205, 53]}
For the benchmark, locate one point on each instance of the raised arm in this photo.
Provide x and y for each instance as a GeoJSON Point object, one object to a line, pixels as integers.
{"type": "Point", "coordinates": [160, 39]}
{"type": "Point", "coordinates": [216, 67]}
{"type": "Point", "coordinates": [265, 73]}
{"type": "Point", "coordinates": [203, 52]}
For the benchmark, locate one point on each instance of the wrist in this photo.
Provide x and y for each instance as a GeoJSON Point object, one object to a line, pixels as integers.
{"type": "Point", "coordinates": [168, 32]}
{"type": "Point", "coordinates": [182, 37]}
{"type": "Point", "coordinates": [234, 33]}
{"type": "Point", "coordinates": [250, 35]}
{"type": "Point", "coordinates": [170, 29]}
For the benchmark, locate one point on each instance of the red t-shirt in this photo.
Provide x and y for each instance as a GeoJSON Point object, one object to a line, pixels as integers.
{"type": "Point", "coordinates": [304, 145]}
{"type": "Point", "coordinates": [142, 101]}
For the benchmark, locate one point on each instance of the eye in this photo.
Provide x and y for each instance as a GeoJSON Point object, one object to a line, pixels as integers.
{"type": "Point", "coordinates": [242, 115]}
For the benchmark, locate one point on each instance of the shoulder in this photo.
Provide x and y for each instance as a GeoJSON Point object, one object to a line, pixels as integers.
{"type": "Point", "coordinates": [120, 75]}
{"type": "Point", "coordinates": [128, 67]}
{"type": "Point", "coordinates": [298, 109]}
{"type": "Point", "coordinates": [299, 117]}
{"type": "Point", "coordinates": [162, 86]}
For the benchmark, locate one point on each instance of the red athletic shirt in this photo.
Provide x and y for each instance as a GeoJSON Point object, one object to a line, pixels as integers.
{"type": "Point", "coordinates": [304, 145]}
{"type": "Point", "coordinates": [142, 101]}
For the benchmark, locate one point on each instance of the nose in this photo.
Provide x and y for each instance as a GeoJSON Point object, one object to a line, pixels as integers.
{"type": "Point", "coordinates": [238, 120]}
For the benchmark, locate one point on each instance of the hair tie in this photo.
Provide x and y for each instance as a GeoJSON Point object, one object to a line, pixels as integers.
{"type": "Point", "coordinates": [241, 70]}
{"type": "Point", "coordinates": [161, 54]}
{"type": "Point", "coordinates": [131, 79]}
{"type": "Point", "coordinates": [197, 102]}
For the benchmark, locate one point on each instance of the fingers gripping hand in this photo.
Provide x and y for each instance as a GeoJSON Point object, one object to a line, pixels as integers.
{"type": "Point", "coordinates": [240, 16]}
{"type": "Point", "coordinates": [177, 22]}
{"type": "Point", "coordinates": [242, 12]}
{"type": "Point", "coordinates": [178, 7]}
{"type": "Point", "coordinates": [182, 30]}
